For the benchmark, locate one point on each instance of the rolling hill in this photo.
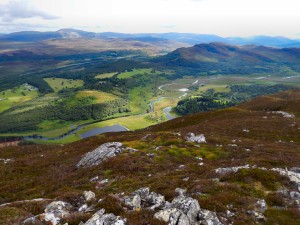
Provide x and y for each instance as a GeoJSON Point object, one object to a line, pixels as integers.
{"type": "Point", "coordinates": [236, 58]}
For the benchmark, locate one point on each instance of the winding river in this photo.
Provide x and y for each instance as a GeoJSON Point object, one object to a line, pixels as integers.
{"type": "Point", "coordinates": [113, 128]}
{"type": "Point", "coordinates": [93, 132]}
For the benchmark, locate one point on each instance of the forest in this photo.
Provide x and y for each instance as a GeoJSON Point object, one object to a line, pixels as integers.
{"type": "Point", "coordinates": [211, 100]}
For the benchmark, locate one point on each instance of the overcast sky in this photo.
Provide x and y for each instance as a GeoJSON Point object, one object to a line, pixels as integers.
{"type": "Point", "coordinates": [221, 17]}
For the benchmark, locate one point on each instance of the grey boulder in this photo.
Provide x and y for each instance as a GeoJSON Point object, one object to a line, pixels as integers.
{"type": "Point", "coordinates": [188, 205]}
{"type": "Point", "coordinates": [191, 137]}
{"type": "Point", "coordinates": [172, 216]}
{"type": "Point", "coordinates": [207, 217]}
{"type": "Point", "coordinates": [103, 152]}
{"type": "Point", "coordinates": [100, 218]}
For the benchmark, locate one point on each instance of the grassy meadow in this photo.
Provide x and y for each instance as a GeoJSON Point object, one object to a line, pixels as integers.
{"type": "Point", "coordinates": [13, 97]}
{"type": "Point", "coordinates": [134, 72]}
{"type": "Point", "coordinates": [58, 84]}
{"type": "Point", "coordinates": [105, 75]}
{"type": "Point", "coordinates": [98, 96]}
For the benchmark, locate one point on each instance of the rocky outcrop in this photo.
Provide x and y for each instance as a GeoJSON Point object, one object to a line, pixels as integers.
{"type": "Point", "coordinates": [191, 137]}
{"type": "Point", "coordinates": [100, 218]}
{"type": "Point", "coordinates": [54, 212]}
{"type": "Point", "coordinates": [293, 174]}
{"type": "Point", "coordinates": [284, 114]}
{"type": "Point", "coordinates": [133, 202]}
{"type": "Point", "coordinates": [143, 198]}
{"type": "Point", "coordinates": [58, 211]}
{"type": "Point", "coordinates": [189, 207]}
{"type": "Point", "coordinates": [183, 210]}
{"type": "Point", "coordinates": [103, 152]}
{"type": "Point", "coordinates": [207, 217]}
{"type": "Point", "coordinates": [172, 216]}
{"type": "Point", "coordinates": [58, 208]}
{"type": "Point", "coordinates": [225, 170]}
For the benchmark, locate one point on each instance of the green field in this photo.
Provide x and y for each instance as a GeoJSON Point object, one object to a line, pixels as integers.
{"type": "Point", "coordinates": [105, 75]}
{"type": "Point", "coordinates": [139, 99]}
{"type": "Point", "coordinates": [58, 84]}
{"type": "Point", "coordinates": [134, 72]}
{"type": "Point", "coordinates": [98, 96]}
{"type": "Point", "coordinates": [13, 97]}
{"type": "Point", "coordinates": [217, 88]}
{"type": "Point", "coordinates": [220, 83]}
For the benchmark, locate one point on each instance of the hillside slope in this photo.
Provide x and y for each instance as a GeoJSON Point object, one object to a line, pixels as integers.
{"type": "Point", "coordinates": [237, 169]}
{"type": "Point", "coordinates": [239, 58]}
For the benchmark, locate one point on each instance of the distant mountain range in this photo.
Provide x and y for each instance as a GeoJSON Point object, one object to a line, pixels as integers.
{"type": "Point", "coordinates": [187, 38]}
{"type": "Point", "coordinates": [225, 53]}
{"type": "Point", "coordinates": [225, 58]}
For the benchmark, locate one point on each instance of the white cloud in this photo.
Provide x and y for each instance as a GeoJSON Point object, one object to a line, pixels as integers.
{"type": "Point", "coordinates": [221, 17]}
{"type": "Point", "coordinates": [22, 10]}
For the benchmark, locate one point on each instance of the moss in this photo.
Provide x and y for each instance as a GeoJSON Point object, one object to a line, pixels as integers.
{"type": "Point", "coordinates": [107, 173]}
{"type": "Point", "coordinates": [282, 217]}
{"type": "Point", "coordinates": [269, 179]}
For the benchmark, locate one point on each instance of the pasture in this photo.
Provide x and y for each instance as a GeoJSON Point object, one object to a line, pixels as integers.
{"type": "Point", "coordinates": [58, 84]}
{"type": "Point", "coordinates": [105, 75]}
{"type": "Point", "coordinates": [134, 72]}
{"type": "Point", "coordinates": [12, 97]}
{"type": "Point", "coordinates": [98, 96]}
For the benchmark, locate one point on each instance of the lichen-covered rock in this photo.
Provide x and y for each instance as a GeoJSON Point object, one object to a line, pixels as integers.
{"type": "Point", "coordinates": [54, 212]}
{"type": "Point", "coordinates": [188, 205]}
{"type": "Point", "coordinates": [83, 208]}
{"type": "Point", "coordinates": [180, 191]}
{"type": "Point", "coordinates": [172, 216]}
{"type": "Point", "coordinates": [185, 210]}
{"type": "Point", "coordinates": [142, 198]}
{"type": "Point", "coordinates": [58, 208]}
{"type": "Point", "coordinates": [155, 200]}
{"type": "Point", "coordinates": [134, 201]}
{"type": "Point", "coordinates": [99, 218]}
{"type": "Point", "coordinates": [261, 205]}
{"type": "Point", "coordinates": [31, 221]}
{"type": "Point", "coordinates": [191, 137]}
{"type": "Point", "coordinates": [293, 174]}
{"type": "Point", "coordinates": [284, 114]}
{"type": "Point", "coordinates": [225, 170]}
{"type": "Point", "coordinates": [295, 195]}
{"type": "Point", "coordinates": [143, 192]}
{"type": "Point", "coordinates": [89, 196]}
{"type": "Point", "coordinates": [103, 152]}
{"type": "Point", "coordinates": [207, 217]}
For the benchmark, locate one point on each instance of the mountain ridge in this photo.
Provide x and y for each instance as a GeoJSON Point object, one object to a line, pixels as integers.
{"type": "Point", "coordinates": [188, 38]}
{"type": "Point", "coordinates": [220, 55]}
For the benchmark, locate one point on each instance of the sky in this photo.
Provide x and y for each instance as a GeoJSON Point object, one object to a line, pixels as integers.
{"type": "Point", "coordinates": [221, 17]}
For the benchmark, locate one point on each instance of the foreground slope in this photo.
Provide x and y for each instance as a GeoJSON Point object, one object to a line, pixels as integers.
{"type": "Point", "coordinates": [239, 172]}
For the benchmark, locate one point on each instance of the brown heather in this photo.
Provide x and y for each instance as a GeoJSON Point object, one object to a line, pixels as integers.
{"type": "Point", "coordinates": [273, 141]}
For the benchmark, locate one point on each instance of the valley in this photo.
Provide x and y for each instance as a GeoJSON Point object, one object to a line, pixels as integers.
{"type": "Point", "coordinates": [146, 105]}
{"type": "Point", "coordinates": [140, 130]}
{"type": "Point", "coordinates": [138, 112]}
